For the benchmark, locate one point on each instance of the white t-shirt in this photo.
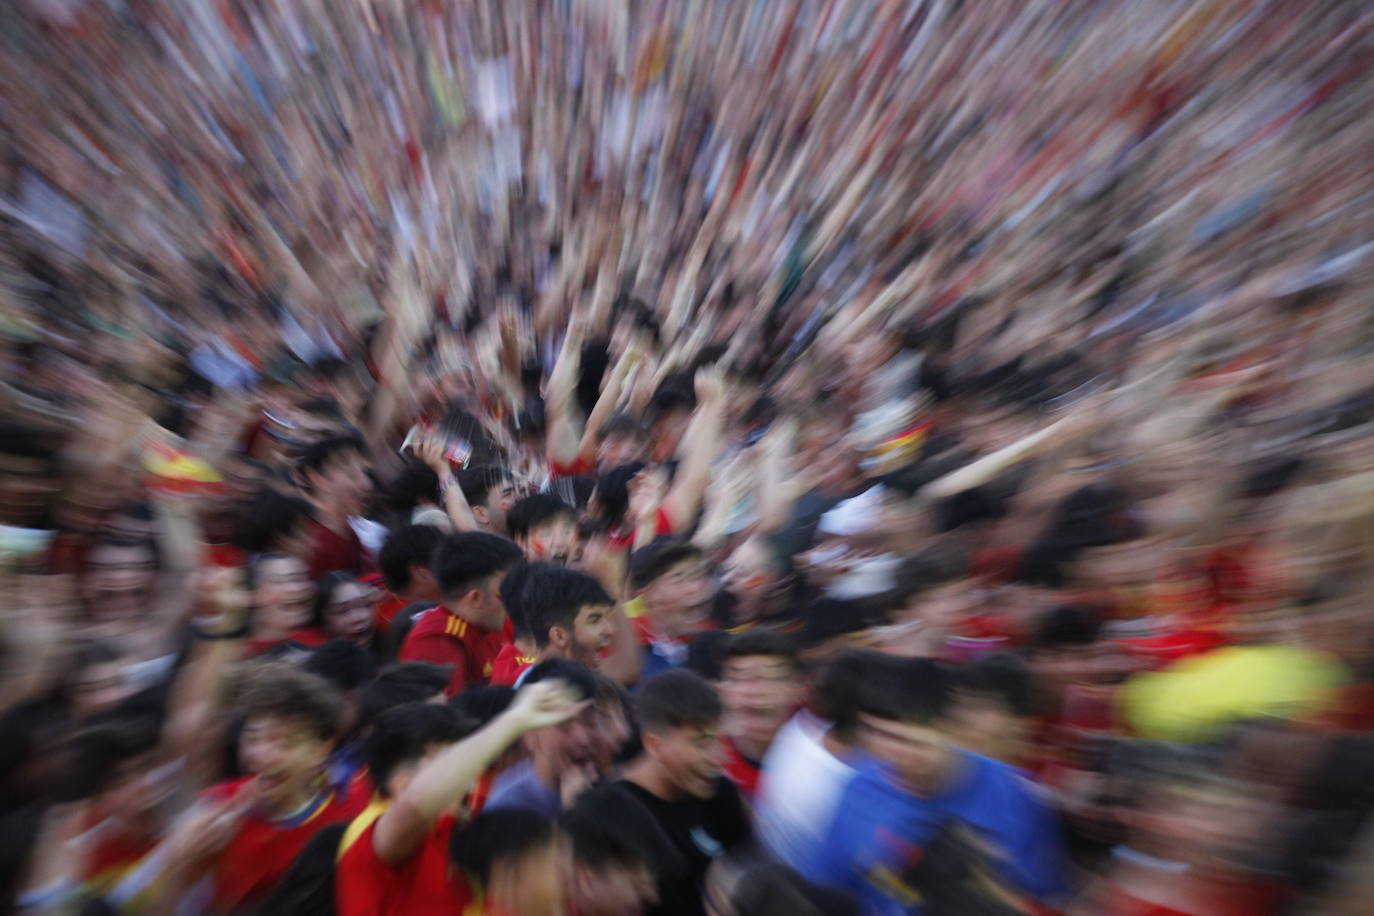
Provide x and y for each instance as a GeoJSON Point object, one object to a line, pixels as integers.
{"type": "Point", "coordinates": [799, 787]}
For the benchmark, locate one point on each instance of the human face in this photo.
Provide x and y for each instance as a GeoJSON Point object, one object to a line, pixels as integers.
{"type": "Point", "coordinates": [678, 599]}
{"type": "Point", "coordinates": [348, 614]}
{"type": "Point", "coordinates": [751, 575]}
{"type": "Point", "coordinates": [567, 747]}
{"type": "Point", "coordinates": [593, 633]}
{"type": "Point", "coordinates": [119, 580]}
{"type": "Point", "coordinates": [498, 502]}
{"type": "Point", "coordinates": [484, 607]}
{"type": "Point", "coordinates": [921, 755]}
{"type": "Point", "coordinates": [986, 725]}
{"type": "Point", "coordinates": [615, 451]}
{"type": "Point", "coordinates": [611, 889]}
{"type": "Point", "coordinates": [283, 594]}
{"type": "Point", "coordinates": [285, 758]}
{"type": "Point", "coordinates": [760, 693]}
{"type": "Point", "coordinates": [552, 542]}
{"type": "Point", "coordinates": [690, 755]}
{"type": "Point", "coordinates": [342, 484]}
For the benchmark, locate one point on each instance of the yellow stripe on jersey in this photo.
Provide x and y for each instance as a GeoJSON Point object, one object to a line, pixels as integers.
{"type": "Point", "coordinates": [358, 826]}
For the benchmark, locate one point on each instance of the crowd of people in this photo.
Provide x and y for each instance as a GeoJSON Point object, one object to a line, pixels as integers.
{"type": "Point", "coordinates": [596, 458]}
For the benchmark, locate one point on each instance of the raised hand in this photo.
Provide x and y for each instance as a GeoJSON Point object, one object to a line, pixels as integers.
{"type": "Point", "coordinates": [546, 703]}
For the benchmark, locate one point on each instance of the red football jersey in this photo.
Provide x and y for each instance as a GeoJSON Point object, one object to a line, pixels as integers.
{"type": "Point", "coordinates": [364, 885]}
{"type": "Point", "coordinates": [447, 639]}
{"type": "Point", "coordinates": [742, 771]}
{"type": "Point", "coordinates": [509, 665]}
{"type": "Point", "coordinates": [263, 849]}
{"type": "Point", "coordinates": [331, 551]}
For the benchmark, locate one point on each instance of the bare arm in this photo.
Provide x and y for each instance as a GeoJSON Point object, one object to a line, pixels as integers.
{"type": "Point", "coordinates": [431, 452]}
{"type": "Point", "coordinates": [442, 782]}
{"type": "Point", "coordinates": [702, 441]}
{"type": "Point", "coordinates": [564, 437]}
{"type": "Point", "coordinates": [606, 403]}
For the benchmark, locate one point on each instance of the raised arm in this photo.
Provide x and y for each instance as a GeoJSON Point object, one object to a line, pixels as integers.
{"type": "Point", "coordinates": [564, 435]}
{"type": "Point", "coordinates": [702, 442]}
{"type": "Point", "coordinates": [431, 452]}
{"type": "Point", "coordinates": [442, 782]}
{"type": "Point", "coordinates": [608, 400]}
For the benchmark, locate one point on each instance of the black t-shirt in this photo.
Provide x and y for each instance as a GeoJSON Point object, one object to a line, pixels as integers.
{"type": "Point", "coordinates": [700, 830]}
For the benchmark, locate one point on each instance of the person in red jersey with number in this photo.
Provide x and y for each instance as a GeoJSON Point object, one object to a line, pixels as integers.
{"type": "Point", "coordinates": [246, 832]}
{"type": "Point", "coordinates": [395, 856]}
{"type": "Point", "coordinates": [468, 630]}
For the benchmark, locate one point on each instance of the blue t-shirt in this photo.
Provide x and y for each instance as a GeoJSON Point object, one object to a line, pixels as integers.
{"type": "Point", "coordinates": [519, 787]}
{"type": "Point", "coordinates": [880, 829]}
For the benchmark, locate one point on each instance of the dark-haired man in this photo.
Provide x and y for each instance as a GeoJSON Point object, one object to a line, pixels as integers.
{"type": "Point", "coordinates": [678, 779]}
{"type": "Point", "coordinates": [334, 474]}
{"type": "Point", "coordinates": [490, 491]}
{"type": "Point", "coordinates": [468, 630]}
{"type": "Point", "coordinates": [567, 615]}
{"type": "Point", "coordinates": [616, 854]}
{"type": "Point", "coordinates": [562, 758]}
{"type": "Point", "coordinates": [394, 857]}
{"type": "Point", "coordinates": [921, 793]}
{"type": "Point", "coordinates": [761, 686]}
{"type": "Point", "coordinates": [544, 526]}
{"type": "Point", "coordinates": [672, 601]}
{"type": "Point", "coordinates": [404, 562]}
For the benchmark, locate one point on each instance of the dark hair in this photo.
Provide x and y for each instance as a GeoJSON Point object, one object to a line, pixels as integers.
{"type": "Point", "coordinates": [1067, 626]}
{"type": "Point", "coordinates": [346, 665]}
{"type": "Point", "coordinates": [268, 517]}
{"type": "Point", "coordinates": [463, 560]}
{"type": "Point", "coordinates": [839, 692]}
{"type": "Point", "coordinates": [772, 887]}
{"type": "Point", "coordinates": [706, 652]}
{"type": "Point", "coordinates": [675, 699]}
{"type": "Point", "coordinates": [483, 703]}
{"type": "Point", "coordinates": [534, 510]}
{"type": "Point", "coordinates": [502, 834]}
{"type": "Point", "coordinates": [413, 484]}
{"type": "Point", "coordinates": [575, 674]}
{"type": "Point", "coordinates": [552, 597]}
{"type": "Point", "coordinates": [403, 734]}
{"type": "Point", "coordinates": [905, 690]}
{"type": "Point", "coordinates": [575, 491]}
{"type": "Point", "coordinates": [404, 682]}
{"type": "Point", "coordinates": [279, 690]}
{"type": "Point", "coordinates": [478, 482]}
{"type": "Point", "coordinates": [676, 392]}
{"type": "Point", "coordinates": [762, 642]}
{"type": "Point", "coordinates": [514, 588]}
{"type": "Point", "coordinates": [657, 558]}
{"type": "Point", "coordinates": [98, 751]}
{"type": "Point", "coordinates": [318, 454]}
{"type": "Point", "coordinates": [613, 491]}
{"type": "Point", "coordinates": [825, 619]}
{"type": "Point", "coordinates": [329, 583]}
{"type": "Point", "coordinates": [608, 827]}
{"type": "Point", "coordinates": [1003, 676]}
{"type": "Point", "coordinates": [924, 571]}
{"type": "Point", "coordinates": [405, 547]}
{"type": "Point", "coordinates": [624, 426]}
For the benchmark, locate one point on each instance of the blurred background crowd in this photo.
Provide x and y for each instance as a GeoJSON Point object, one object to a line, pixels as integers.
{"type": "Point", "coordinates": [592, 457]}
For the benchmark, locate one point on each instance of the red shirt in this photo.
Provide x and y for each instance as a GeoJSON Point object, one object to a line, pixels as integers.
{"type": "Point", "coordinates": [306, 636]}
{"type": "Point", "coordinates": [509, 665]}
{"type": "Point", "coordinates": [388, 605]}
{"type": "Point", "coordinates": [263, 849]}
{"type": "Point", "coordinates": [579, 468]}
{"type": "Point", "coordinates": [331, 551]}
{"type": "Point", "coordinates": [743, 772]}
{"type": "Point", "coordinates": [447, 639]}
{"type": "Point", "coordinates": [364, 885]}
